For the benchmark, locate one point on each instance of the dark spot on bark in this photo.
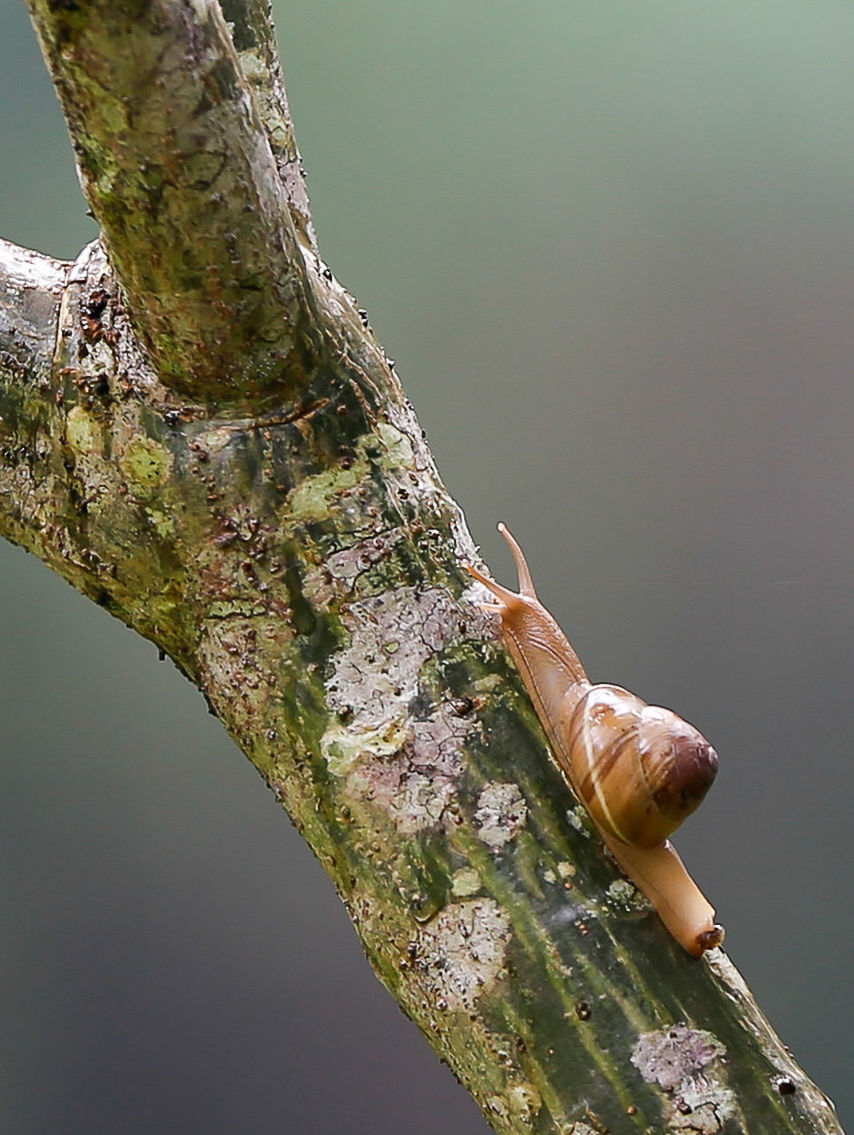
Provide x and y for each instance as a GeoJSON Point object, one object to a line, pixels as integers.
{"type": "Point", "coordinates": [462, 706]}
{"type": "Point", "coordinates": [421, 706]}
{"type": "Point", "coordinates": [96, 303]}
{"type": "Point", "coordinates": [583, 1011]}
{"type": "Point", "coordinates": [242, 33]}
{"type": "Point", "coordinates": [222, 82]}
{"type": "Point", "coordinates": [786, 1087]}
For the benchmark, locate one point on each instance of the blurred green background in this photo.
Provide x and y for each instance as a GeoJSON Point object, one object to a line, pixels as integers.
{"type": "Point", "coordinates": [611, 248]}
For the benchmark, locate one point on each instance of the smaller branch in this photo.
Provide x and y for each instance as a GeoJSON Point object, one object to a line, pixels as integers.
{"type": "Point", "coordinates": [89, 444]}
{"type": "Point", "coordinates": [63, 345]}
{"type": "Point", "coordinates": [254, 38]}
{"type": "Point", "coordinates": [177, 167]}
{"type": "Point", "coordinates": [30, 291]}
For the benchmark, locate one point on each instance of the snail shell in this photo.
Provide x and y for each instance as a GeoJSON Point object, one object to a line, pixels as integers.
{"type": "Point", "coordinates": [639, 769]}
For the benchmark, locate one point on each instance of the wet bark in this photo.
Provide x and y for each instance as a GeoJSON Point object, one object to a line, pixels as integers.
{"type": "Point", "coordinates": [262, 505]}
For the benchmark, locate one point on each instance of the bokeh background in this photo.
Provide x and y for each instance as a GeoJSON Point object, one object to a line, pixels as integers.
{"type": "Point", "coordinates": [611, 247]}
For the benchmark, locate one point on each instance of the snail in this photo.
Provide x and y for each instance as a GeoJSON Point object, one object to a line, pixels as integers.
{"type": "Point", "coordinates": [639, 770]}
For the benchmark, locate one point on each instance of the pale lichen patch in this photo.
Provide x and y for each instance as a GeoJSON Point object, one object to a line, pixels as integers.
{"type": "Point", "coordinates": [501, 814]}
{"type": "Point", "coordinates": [465, 882]}
{"type": "Point", "coordinates": [489, 682]}
{"type": "Point", "coordinates": [419, 784]}
{"type": "Point", "coordinates": [215, 439]}
{"type": "Point", "coordinates": [146, 465]}
{"type": "Point", "coordinates": [498, 1106]}
{"type": "Point", "coordinates": [87, 441]}
{"type": "Point", "coordinates": [579, 818]}
{"type": "Point", "coordinates": [161, 522]}
{"type": "Point", "coordinates": [525, 1102]}
{"type": "Point", "coordinates": [365, 684]}
{"type": "Point", "coordinates": [255, 67]}
{"type": "Point", "coordinates": [226, 608]}
{"type": "Point", "coordinates": [686, 1064]}
{"type": "Point", "coordinates": [85, 433]}
{"type": "Point", "coordinates": [313, 498]}
{"type": "Point", "coordinates": [409, 770]}
{"type": "Point", "coordinates": [342, 745]}
{"type": "Point", "coordinates": [437, 740]}
{"type": "Point", "coordinates": [622, 891]}
{"type": "Point", "coordinates": [462, 951]}
{"type": "Point", "coordinates": [373, 688]}
{"type": "Point", "coordinates": [668, 1057]}
{"type": "Point", "coordinates": [398, 447]}
{"type": "Point", "coordinates": [412, 800]}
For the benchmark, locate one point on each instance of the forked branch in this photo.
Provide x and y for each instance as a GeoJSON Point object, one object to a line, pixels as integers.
{"type": "Point", "coordinates": [198, 430]}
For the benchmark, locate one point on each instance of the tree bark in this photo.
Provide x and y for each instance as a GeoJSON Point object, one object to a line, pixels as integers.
{"type": "Point", "coordinates": [209, 442]}
{"type": "Point", "coordinates": [166, 130]}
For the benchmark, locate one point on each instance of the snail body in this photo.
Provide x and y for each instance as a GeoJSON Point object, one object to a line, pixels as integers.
{"type": "Point", "coordinates": [640, 770]}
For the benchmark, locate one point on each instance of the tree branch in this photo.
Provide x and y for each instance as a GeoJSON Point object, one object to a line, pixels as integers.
{"type": "Point", "coordinates": [302, 566]}
{"type": "Point", "coordinates": [177, 168]}
{"type": "Point", "coordinates": [254, 38]}
{"type": "Point", "coordinates": [70, 434]}
{"type": "Point", "coordinates": [30, 290]}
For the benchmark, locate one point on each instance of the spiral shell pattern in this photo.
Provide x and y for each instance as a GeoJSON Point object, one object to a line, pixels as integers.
{"type": "Point", "coordinates": [639, 769]}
